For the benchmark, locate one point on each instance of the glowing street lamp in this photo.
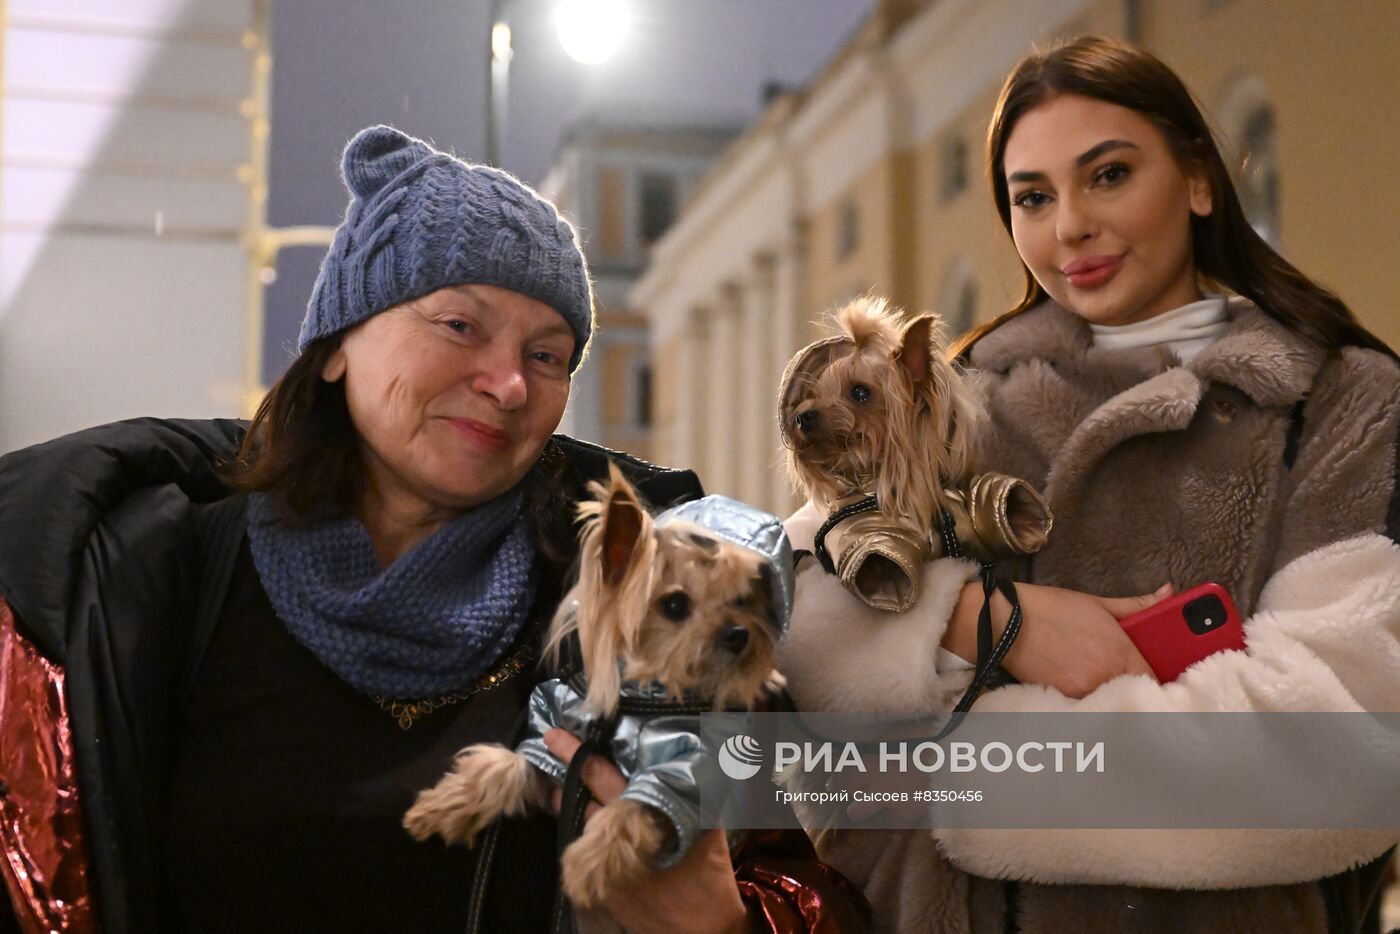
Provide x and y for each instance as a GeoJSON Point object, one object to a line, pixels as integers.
{"type": "Point", "coordinates": [591, 30]}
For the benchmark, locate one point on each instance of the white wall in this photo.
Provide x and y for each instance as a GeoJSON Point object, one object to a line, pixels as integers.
{"type": "Point", "coordinates": [124, 169]}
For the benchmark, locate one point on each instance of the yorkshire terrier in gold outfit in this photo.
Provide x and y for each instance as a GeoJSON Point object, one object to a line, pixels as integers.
{"type": "Point", "coordinates": [877, 411]}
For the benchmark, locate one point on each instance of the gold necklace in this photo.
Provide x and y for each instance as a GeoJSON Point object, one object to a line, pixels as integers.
{"type": "Point", "coordinates": [408, 711]}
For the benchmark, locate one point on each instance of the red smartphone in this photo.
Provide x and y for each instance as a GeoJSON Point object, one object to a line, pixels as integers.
{"type": "Point", "coordinates": [1179, 631]}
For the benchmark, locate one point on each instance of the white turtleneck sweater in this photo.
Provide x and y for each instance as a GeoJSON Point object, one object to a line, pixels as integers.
{"type": "Point", "coordinates": [1186, 330]}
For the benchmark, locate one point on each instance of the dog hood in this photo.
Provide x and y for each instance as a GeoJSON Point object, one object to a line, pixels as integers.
{"type": "Point", "coordinates": [743, 525]}
{"type": "Point", "coordinates": [806, 364]}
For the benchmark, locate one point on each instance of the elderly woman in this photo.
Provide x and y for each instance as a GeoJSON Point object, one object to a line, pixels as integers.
{"type": "Point", "coordinates": [229, 659]}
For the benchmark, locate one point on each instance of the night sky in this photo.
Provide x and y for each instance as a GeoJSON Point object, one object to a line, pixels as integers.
{"type": "Point", "coordinates": [421, 65]}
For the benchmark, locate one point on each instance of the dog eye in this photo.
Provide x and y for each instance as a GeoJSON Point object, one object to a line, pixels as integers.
{"type": "Point", "coordinates": [709, 544]}
{"type": "Point", "coordinates": [860, 394]}
{"type": "Point", "coordinates": [675, 606]}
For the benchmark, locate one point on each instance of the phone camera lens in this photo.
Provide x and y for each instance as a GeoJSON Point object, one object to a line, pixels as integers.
{"type": "Point", "coordinates": [1204, 614]}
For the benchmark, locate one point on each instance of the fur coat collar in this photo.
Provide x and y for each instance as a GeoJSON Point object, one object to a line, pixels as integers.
{"type": "Point", "coordinates": [1255, 354]}
{"type": "Point", "coordinates": [1086, 400]}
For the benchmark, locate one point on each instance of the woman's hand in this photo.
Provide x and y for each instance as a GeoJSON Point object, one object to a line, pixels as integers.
{"type": "Point", "coordinates": [1069, 641]}
{"type": "Point", "coordinates": [698, 894]}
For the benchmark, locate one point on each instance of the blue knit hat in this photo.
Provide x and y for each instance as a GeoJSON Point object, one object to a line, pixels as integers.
{"type": "Point", "coordinates": [420, 220]}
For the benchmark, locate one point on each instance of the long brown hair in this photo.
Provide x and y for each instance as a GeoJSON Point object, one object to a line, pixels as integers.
{"type": "Point", "coordinates": [1227, 250]}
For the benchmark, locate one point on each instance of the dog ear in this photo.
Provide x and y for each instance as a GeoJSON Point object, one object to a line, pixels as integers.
{"type": "Point", "coordinates": [915, 347]}
{"type": "Point", "coordinates": [622, 521]}
{"type": "Point", "coordinates": [617, 552]}
{"type": "Point", "coordinates": [601, 642]}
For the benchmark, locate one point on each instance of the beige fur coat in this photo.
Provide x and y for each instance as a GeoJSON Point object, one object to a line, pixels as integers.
{"type": "Point", "coordinates": [1155, 471]}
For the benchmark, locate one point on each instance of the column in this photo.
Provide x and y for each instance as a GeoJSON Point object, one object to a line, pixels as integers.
{"type": "Point", "coordinates": [720, 387]}
{"type": "Point", "coordinates": [758, 452]}
{"type": "Point", "coordinates": [790, 333]}
{"type": "Point", "coordinates": [673, 378]}
{"type": "Point", "coordinates": [692, 398]}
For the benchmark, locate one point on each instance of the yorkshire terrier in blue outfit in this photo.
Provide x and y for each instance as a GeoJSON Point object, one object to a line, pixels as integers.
{"type": "Point", "coordinates": [675, 615]}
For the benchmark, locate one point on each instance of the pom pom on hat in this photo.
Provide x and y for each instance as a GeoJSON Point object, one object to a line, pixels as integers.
{"type": "Point", "coordinates": [420, 220]}
{"type": "Point", "coordinates": [378, 155]}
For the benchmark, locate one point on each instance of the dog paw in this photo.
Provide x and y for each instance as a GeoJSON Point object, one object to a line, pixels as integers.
{"type": "Point", "coordinates": [486, 782]}
{"type": "Point", "coordinates": [619, 844]}
{"type": "Point", "coordinates": [441, 810]}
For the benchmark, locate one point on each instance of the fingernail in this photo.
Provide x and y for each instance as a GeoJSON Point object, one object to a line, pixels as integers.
{"type": "Point", "coordinates": [1164, 591]}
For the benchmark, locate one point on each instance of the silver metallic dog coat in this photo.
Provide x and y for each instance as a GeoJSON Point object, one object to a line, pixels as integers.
{"type": "Point", "coordinates": [656, 743]}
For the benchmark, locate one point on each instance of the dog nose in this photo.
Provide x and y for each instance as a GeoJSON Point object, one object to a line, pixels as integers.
{"type": "Point", "coordinates": [735, 639]}
{"type": "Point", "coordinates": [808, 420]}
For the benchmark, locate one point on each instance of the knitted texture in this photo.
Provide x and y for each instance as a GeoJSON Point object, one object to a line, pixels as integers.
{"type": "Point", "coordinates": [420, 220]}
{"type": "Point", "coordinates": [431, 623]}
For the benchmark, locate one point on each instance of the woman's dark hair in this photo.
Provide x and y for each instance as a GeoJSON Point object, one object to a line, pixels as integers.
{"type": "Point", "coordinates": [1228, 252]}
{"type": "Point", "coordinates": [302, 448]}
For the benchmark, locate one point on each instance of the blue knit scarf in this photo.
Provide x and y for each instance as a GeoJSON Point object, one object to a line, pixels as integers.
{"type": "Point", "coordinates": [431, 623]}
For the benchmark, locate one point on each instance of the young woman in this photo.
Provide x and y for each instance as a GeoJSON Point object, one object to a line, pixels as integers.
{"type": "Point", "coordinates": [1194, 409]}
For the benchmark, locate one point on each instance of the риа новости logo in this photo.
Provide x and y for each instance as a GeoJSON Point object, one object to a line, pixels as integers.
{"type": "Point", "coordinates": [740, 757]}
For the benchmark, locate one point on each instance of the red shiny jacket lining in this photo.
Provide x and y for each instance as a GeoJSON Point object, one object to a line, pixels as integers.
{"type": "Point", "coordinates": [41, 824]}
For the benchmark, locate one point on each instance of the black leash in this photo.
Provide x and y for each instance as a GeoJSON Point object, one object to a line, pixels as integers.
{"type": "Point", "coordinates": [868, 504]}
{"type": "Point", "coordinates": [597, 741]}
{"type": "Point", "coordinates": [576, 796]}
{"type": "Point", "coordinates": [989, 656]}
{"type": "Point", "coordinates": [573, 805]}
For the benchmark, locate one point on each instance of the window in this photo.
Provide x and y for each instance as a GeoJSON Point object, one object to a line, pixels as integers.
{"type": "Point", "coordinates": [957, 296]}
{"type": "Point", "coordinates": [954, 169]}
{"type": "Point", "coordinates": [966, 311]}
{"type": "Point", "coordinates": [1259, 181]}
{"type": "Point", "coordinates": [847, 229]}
{"type": "Point", "coordinates": [641, 395]}
{"type": "Point", "coordinates": [611, 216]}
{"type": "Point", "coordinates": [1132, 21]}
{"type": "Point", "coordinates": [658, 205]}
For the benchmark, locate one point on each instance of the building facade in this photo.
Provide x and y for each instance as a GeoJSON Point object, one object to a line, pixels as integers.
{"type": "Point", "coordinates": [873, 177]}
{"type": "Point", "coordinates": [623, 185]}
{"type": "Point", "coordinates": [132, 171]}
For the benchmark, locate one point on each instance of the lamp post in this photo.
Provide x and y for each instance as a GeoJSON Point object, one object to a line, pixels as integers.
{"type": "Point", "coordinates": [500, 52]}
{"type": "Point", "coordinates": [589, 30]}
